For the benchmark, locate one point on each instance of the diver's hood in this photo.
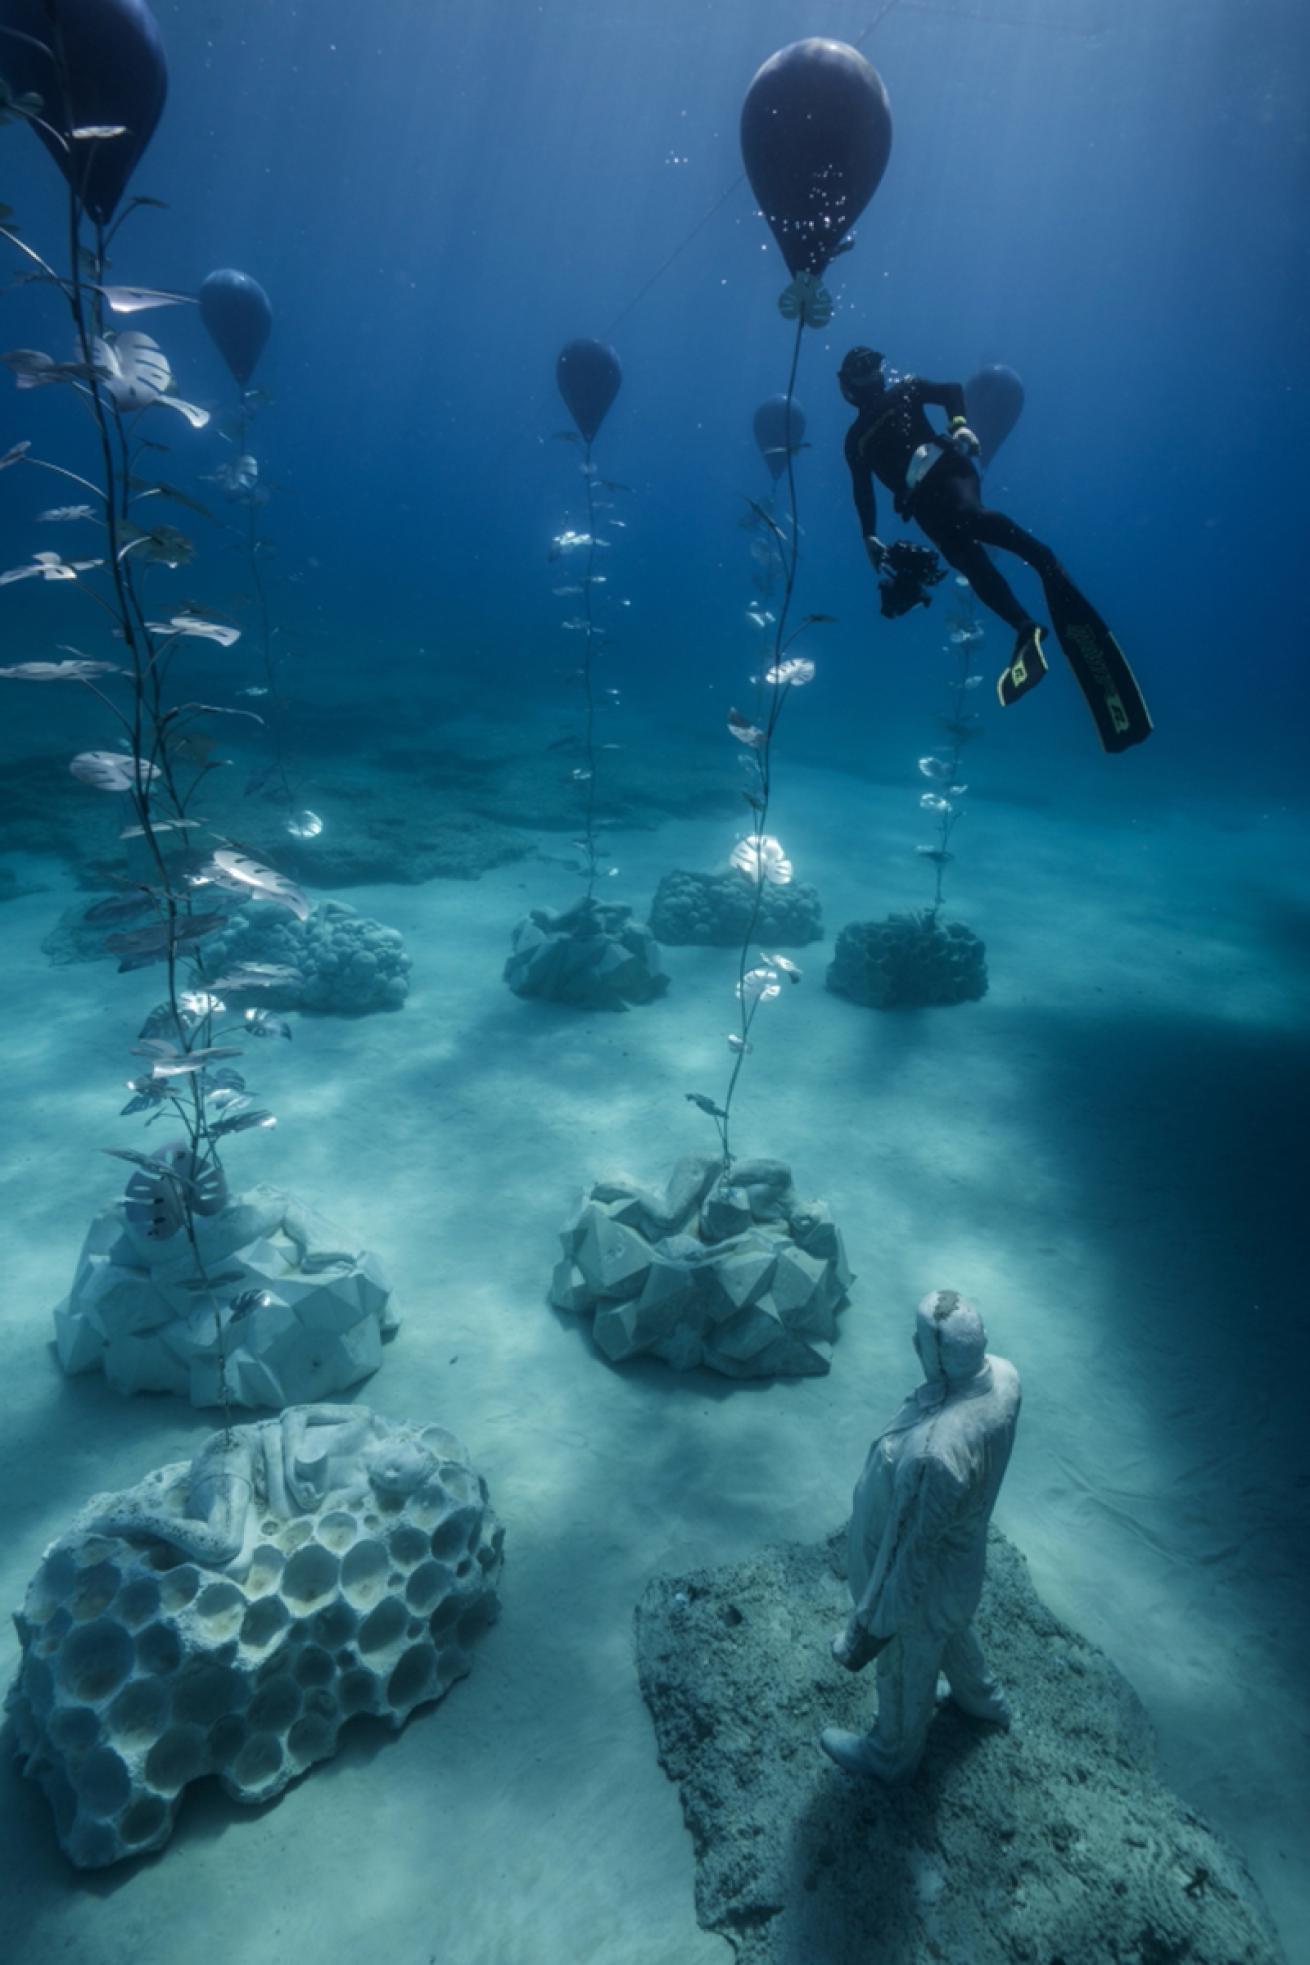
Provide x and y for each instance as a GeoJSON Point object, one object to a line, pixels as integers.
{"type": "Point", "coordinates": [861, 373]}
{"type": "Point", "coordinates": [950, 1337]}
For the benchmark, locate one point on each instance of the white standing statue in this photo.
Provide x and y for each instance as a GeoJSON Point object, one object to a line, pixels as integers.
{"type": "Point", "coordinates": [918, 1542]}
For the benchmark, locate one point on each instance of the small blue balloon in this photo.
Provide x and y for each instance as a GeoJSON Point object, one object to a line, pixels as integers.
{"type": "Point", "coordinates": [993, 399]}
{"type": "Point", "coordinates": [588, 374]}
{"type": "Point", "coordinates": [237, 313]}
{"type": "Point", "coordinates": [776, 434]}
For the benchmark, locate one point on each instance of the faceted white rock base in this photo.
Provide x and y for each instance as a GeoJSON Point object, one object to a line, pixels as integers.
{"type": "Point", "coordinates": [313, 1320]}
{"type": "Point", "coordinates": [191, 1626]}
{"type": "Point", "coordinates": [592, 955]}
{"type": "Point", "coordinates": [742, 1277]}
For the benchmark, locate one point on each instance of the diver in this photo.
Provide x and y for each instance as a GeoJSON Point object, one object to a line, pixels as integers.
{"type": "Point", "coordinates": [934, 482]}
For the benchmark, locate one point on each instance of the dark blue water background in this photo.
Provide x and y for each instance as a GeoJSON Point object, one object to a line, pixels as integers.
{"type": "Point", "coordinates": [1109, 197]}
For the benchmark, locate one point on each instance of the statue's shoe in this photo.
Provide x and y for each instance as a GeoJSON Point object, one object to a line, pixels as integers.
{"type": "Point", "coordinates": [992, 1707]}
{"type": "Point", "coordinates": [858, 1754]}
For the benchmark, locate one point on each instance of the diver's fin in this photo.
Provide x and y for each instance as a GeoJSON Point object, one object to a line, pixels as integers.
{"type": "Point", "coordinates": [1027, 666]}
{"type": "Point", "coordinates": [1099, 665]}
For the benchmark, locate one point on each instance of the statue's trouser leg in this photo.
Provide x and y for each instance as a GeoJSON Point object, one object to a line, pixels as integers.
{"type": "Point", "coordinates": [973, 1688]}
{"type": "Point", "coordinates": [907, 1699]}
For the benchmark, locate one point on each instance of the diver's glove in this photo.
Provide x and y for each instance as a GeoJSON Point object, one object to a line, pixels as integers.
{"type": "Point", "coordinates": [855, 1647]}
{"type": "Point", "coordinates": [876, 551]}
{"type": "Point", "coordinates": [963, 438]}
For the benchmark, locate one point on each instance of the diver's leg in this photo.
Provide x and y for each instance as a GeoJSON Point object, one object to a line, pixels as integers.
{"type": "Point", "coordinates": [950, 511]}
{"type": "Point", "coordinates": [991, 528]}
{"type": "Point", "coordinates": [972, 1686]}
{"type": "Point", "coordinates": [964, 548]}
{"type": "Point", "coordinates": [966, 555]}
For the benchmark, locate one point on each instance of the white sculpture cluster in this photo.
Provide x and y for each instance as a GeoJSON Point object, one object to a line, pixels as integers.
{"type": "Point", "coordinates": [735, 1273]}
{"type": "Point", "coordinates": [229, 1615]}
{"type": "Point", "coordinates": [303, 1315]}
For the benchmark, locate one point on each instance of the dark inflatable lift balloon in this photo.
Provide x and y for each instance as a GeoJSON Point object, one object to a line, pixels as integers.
{"type": "Point", "coordinates": [816, 133]}
{"type": "Point", "coordinates": [588, 375]}
{"type": "Point", "coordinates": [112, 75]}
{"type": "Point", "coordinates": [774, 435]}
{"type": "Point", "coordinates": [235, 309]}
{"type": "Point", "coordinates": [993, 398]}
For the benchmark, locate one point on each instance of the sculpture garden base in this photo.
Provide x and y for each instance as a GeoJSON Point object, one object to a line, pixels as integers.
{"type": "Point", "coordinates": [1055, 1840]}
{"type": "Point", "coordinates": [303, 1314]}
{"type": "Point", "coordinates": [592, 955]}
{"type": "Point", "coordinates": [741, 1276]}
{"type": "Point", "coordinates": [908, 962]}
{"type": "Point", "coordinates": [228, 1616]}
{"type": "Point", "coordinates": [714, 910]}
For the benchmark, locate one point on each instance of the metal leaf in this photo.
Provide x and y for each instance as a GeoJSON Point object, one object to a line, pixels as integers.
{"type": "Point", "coordinates": [242, 1122]}
{"type": "Point", "coordinates": [263, 1023]}
{"type": "Point", "coordinates": [192, 624]}
{"type": "Point", "coordinates": [145, 1160]}
{"type": "Point", "coordinates": [264, 882]}
{"type": "Point", "coordinates": [247, 1301]}
{"type": "Point", "coordinates": [112, 770]}
{"type": "Point", "coordinates": [133, 368]}
{"type": "Point", "coordinates": [222, 1086]}
{"type": "Point", "coordinates": [259, 975]}
{"type": "Point", "coordinates": [162, 1020]}
{"type": "Point", "coordinates": [139, 300]}
{"type": "Point", "coordinates": [81, 671]}
{"type": "Point", "coordinates": [117, 907]}
{"type": "Point", "coordinates": [793, 673]}
{"type": "Point", "coordinates": [744, 730]}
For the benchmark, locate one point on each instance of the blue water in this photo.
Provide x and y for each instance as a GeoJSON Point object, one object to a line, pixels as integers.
{"type": "Point", "coordinates": [1094, 194]}
{"type": "Point", "coordinates": [1109, 197]}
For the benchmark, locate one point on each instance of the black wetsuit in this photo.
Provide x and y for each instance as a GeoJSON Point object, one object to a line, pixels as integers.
{"type": "Point", "coordinates": [947, 502]}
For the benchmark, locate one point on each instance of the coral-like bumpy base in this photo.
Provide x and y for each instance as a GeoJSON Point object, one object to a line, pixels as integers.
{"type": "Point", "coordinates": [144, 1669]}
{"type": "Point", "coordinates": [714, 910]}
{"type": "Point", "coordinates": [347, 963]}
{"type": "Point", "coordinates": [908, 962]}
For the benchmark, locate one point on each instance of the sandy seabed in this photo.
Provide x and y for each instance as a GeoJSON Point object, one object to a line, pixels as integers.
{"type": "Point", "coordinates": [1108, 1153]}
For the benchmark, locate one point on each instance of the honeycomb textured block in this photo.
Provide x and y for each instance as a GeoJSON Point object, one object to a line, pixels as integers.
{"type": "Point", "coordinates": [740, 1276]}
{"type": "Point", "coordinates": [908, 962]}
{"type": "Point", "coordinates": [348, 964]}
{"type": "Point", "coordinates": [592, 955]}
{"type": "Point", "coordinates": [321, 1309]}
{"type": "Point", "coordinates": [192, 1626]}
{"type": "Point", "coordinates": [714, 910]}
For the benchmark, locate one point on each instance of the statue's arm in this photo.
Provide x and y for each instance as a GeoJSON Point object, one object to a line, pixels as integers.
{"type": "Point", "coordinates": [927, 1500]}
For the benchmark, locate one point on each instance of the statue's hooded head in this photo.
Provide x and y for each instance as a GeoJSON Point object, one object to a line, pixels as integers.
{"type": "Point", "coordinates": [949, 1336]}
